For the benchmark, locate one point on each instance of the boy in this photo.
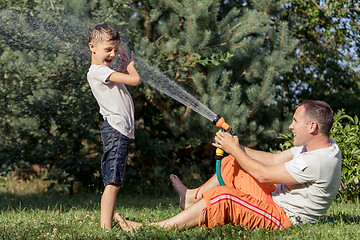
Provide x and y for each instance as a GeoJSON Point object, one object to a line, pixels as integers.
{"type": "Point", "coordinates": [117, 108]}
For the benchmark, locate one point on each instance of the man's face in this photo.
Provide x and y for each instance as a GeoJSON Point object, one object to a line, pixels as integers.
{"type": "Point", "coordinates": [300, 127]}
{"type": "Point", "coordinates": [103, 53]}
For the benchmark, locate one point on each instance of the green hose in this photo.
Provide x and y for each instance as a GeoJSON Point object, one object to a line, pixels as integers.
{"type": "Point", "coordinates": [218, 172]}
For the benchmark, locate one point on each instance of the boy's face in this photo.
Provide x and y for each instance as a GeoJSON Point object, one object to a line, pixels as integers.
{"type": "Point", "coordinates": [103, 53]}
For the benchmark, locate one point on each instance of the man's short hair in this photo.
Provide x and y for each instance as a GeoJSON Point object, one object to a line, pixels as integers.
{"type": "Point", "coordinates": [320, 112]}
{"type": "Point", "coordinates": [103, 32]}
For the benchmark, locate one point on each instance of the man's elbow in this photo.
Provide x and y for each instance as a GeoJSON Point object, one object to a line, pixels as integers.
{"type": "Point", "coordinates": [262, 177]}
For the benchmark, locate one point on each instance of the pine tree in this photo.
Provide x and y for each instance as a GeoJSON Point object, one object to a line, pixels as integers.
{"type": "Point", "coordinates": [231, 59]}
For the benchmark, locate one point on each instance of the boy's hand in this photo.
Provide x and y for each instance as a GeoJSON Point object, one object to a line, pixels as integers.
{"type": "Point", "coordinates": [124, 59]}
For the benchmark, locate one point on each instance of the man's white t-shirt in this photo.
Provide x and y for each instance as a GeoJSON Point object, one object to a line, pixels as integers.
{"type": "Point", "coordinates": [319, 175]}
{"type": "Point", "coordinates": [116, 104]}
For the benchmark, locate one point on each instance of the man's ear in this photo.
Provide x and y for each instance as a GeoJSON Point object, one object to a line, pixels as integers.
{"type": "Point", "coordinates": [313, 127]}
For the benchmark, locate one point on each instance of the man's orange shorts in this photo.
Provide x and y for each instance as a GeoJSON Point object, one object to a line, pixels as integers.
{"type": "Point", "coordinates": [243, 201]}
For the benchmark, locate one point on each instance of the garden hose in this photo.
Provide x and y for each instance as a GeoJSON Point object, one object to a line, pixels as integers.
{"type": "Point", "coordinates": [220, 122]}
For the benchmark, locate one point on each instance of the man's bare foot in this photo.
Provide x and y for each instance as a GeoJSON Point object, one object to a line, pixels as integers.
{"type": "Point", "coordinates": [181, 189]}
{"type": "Point", "coordinates": [127, 225]}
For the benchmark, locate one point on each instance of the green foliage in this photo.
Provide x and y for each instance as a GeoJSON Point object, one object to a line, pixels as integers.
{"type": "Point", "coordinates": [346, 133]}
{"type": "Point", "coordinates": [215, 59]}
{"type": "Point", "coordinates": [327, 55]}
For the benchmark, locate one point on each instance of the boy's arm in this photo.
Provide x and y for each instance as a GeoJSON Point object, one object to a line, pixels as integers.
{"type": "Point", "coordinates": [132, 78]}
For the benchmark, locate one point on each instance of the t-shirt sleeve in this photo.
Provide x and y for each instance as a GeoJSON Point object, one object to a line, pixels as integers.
{"type": "Point", "coordinates": [302, 168]}
{"type": "Point", "coordinates": [296, 151]}
{"type": "Point", "coordinates": [102, 73]}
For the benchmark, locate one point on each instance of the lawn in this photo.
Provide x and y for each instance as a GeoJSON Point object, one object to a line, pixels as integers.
{"type": "Point", "coordinates": [28, 215]}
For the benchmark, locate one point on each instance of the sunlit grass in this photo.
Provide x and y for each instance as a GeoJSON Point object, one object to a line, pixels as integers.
{"type": "Point", "coordinates": [54, 216]}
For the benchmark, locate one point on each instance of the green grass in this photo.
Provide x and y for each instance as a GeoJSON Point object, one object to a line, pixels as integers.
{"type": "Point", "coordinates": [55, 216]}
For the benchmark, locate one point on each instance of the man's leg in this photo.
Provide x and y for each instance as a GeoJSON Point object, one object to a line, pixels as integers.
{"type": "Point", "coordinates": [108, 202]}
{"type": "Point", "coordinates": [188, 218]}
{"type": "Point", "coordinates": [190, 196]}
{"type": "Point", "coordinates": [229, 205]}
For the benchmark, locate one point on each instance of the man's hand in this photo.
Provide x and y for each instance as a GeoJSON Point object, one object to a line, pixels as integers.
{"type": "Point", "coordinates": [125, 61]}
{"type": "Point", "coordinates": [226, 142]}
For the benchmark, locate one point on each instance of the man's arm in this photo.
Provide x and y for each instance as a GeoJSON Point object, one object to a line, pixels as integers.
{"type": "Point", "coordinates": [264, 167]}
{"type": "Point", "coordinates": [267, 158]}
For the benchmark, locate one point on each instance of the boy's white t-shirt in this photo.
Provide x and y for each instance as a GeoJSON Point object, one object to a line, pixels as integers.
{"type": "Point", "coordinates": [319, 175]}
{"type": "Point", "coordinates": [115, 101]}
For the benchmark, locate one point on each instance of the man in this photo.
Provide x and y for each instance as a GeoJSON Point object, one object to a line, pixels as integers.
{"type": "Point", "coordinates": [266, 190]}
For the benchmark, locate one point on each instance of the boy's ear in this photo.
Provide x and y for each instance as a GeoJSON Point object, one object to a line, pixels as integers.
{"type": "Point", "coordinates": [91, 46]}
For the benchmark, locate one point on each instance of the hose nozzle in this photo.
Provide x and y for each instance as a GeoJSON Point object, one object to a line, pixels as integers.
{"type": "Point", "coordinates": [220, 122]}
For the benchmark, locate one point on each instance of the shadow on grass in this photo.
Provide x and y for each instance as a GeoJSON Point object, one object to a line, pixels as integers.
{"type": "Point", "coordinates": [87, 201]}
{"type": "Point", "coordinates": [346, 218]}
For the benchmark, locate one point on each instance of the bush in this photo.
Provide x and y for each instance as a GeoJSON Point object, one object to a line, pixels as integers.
{"type": "Point", "coordinates": [346, 133]}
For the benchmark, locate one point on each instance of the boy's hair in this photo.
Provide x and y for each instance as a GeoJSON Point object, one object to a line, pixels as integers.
{"type": "Point", "coordinates": [103, 32]}
{"type": "Point", "coordinates": [320, 112]}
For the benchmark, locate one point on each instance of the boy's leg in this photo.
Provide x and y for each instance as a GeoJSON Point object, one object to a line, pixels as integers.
{"type": "Point", "coordinates": [112, 168]}
{"type": "Point", "coordinates": [108, 202]}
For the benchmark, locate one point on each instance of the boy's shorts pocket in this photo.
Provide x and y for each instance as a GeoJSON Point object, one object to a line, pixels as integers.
{"type": "Point", "coordinates": [107, 136]}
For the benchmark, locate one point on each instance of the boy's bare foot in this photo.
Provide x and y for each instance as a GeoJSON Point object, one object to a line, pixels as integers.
{"type": "Point", "coordinates": [180, 189]}
{"type": "Point", "coordinates": [127, 225]}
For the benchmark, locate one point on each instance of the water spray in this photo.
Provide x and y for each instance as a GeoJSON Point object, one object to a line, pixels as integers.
{"type": "Point", "coordinates": [159, 81]}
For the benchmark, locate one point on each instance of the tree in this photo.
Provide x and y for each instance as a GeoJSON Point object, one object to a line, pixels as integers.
{"type": "Point", "coordinates": [328, 53]}
{"type": "Point", "coordinates": [230, 59]}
